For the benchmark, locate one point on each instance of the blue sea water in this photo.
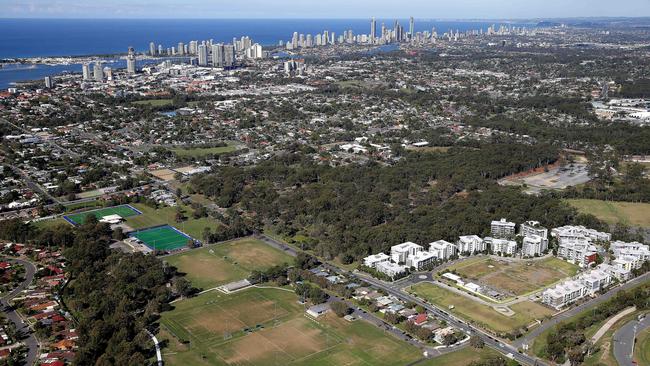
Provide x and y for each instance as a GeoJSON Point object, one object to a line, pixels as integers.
{"type": "Point", "coordinates": [22, 38]}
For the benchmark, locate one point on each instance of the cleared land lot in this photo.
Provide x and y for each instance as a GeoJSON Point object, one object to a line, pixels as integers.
{"type": "Point", "coordinates": [154, 102]}
{"type": "Point", "coordinates": [279, 334]}
{"type": "Point", "coordinates": [218, 264]}
{"type": "Point", "coordinates": [526, 312]}
{"type": "Point", "coordinates": [628, 213]}
{"type": "Point", "coordinates": [517, 278]}
{"type": "Point", "coordinates": [198, 152]}
{"type": "Point", "coordinates": [462, 357]}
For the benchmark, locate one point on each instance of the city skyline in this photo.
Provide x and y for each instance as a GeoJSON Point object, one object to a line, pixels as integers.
{"type": "Point", "coordinates": [258, 9]}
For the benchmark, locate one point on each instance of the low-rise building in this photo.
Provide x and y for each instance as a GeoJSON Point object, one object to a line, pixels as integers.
{"type": "Point", "coordinates": [390, 269]}
{"type": "Point", "coordinates": [421, 260]}
{"type": "Point", "coordinates": [372, 260]}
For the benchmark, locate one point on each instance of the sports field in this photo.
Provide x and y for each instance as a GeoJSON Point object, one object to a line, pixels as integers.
{"type": "Point", "coordinates": [124, 211]}
{"type": "Point", "coordinates": [218, 264]}
{"type": "Point", "coordinates": [526, 312]}
{"type": "Point", "coordinates": [628, 213]}
{"type": "Point", "coordinates": [167, 215]}
{"type": "Point", "coordinates": [165, 238]}
{"type": "Point", "coordinates": [516, 278]}
{"type": "Point", "coordinates": [268, 327]}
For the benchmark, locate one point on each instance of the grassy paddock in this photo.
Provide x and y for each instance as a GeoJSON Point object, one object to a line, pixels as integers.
{"type": "Point", "coordinates": [199, 152]}
{"type": "Point", "coordinates": [628, 213]}
{"type": "Point", "coordinates": [526, 312]}
{"type": "Point", "coordinates": [462, 357]}
{"type": "Point", "coordinates": [154, 102]}
{"type": "Point", "coordinates": [518, 278]}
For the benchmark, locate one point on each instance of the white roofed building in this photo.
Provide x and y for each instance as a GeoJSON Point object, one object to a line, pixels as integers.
{"type": "Point", "coordinates": [399, 253]}
{"type": "Point", "coordinates": [470, 244]}
{"type": "Point", "coordinates": [372, 260]}
{"type": "Point", "coordinates": [502, 246]}
{"type": "Point", "coordinates": [502, 229]}
{"type": "Point", "coordinates": [442, 249]}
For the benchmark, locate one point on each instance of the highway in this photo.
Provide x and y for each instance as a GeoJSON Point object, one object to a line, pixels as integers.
{"type": "Point", "coordinates": [624, 339]}
{"type": "Point", "coordinates": [30, 341]}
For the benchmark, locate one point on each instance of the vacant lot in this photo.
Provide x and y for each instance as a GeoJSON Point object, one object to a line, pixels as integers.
{"type": "Point", "coordinates": [517, 278]}
{"type": "Point", "coordinates": [199, 152]}
{"type": "Point", "coordinates": [154, 102]}
{"type": "Point", "coordinates": [486, 316]}
{"type": "Point", "coordinates": [218, 264]}
{"type": "Point", "coordinates": [213, 327]}
{"type": "Point", "coordinates": [463, 357]}
{"type": "Point", "coordinates": [628, 213]}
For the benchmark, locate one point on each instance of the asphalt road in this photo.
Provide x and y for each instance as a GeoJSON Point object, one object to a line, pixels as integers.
{"type": "Point", "coordinates": [624, 340]}
{"type": "Point", "coordinates": [528, 339]}
{"type": "Point", "coordinates": [395, 290]}
{"type": "Point", "coordinates": [12, 315]}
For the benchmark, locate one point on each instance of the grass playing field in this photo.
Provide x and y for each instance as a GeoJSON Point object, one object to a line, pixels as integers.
{"type": "Point", "coordinates": [164, 238]}
{"type": "Point", "coordinates": [516, 278]}
{"type": "Point", "coordinates": [218, 264]}
{"type": "Point", "coordinates": [154, 102]}
{"type": "Point", "coordinates": [167, 215]}
{"type": "Point", "coordinates": [124, 211]}
{"type": "Point", "coordinates": [486, 316]}
{"type": "Point", "coordinates": [213, 324]}
{"type": "Point", "coordinates": [628, 213]}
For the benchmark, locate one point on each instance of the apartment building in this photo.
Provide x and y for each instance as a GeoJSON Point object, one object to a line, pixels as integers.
{"type": "Point", "coordinates": [399, 253]}
{"type": "Point", "coordinates": [533, 245]}
{"type": "Point", "coordinates": [635, 252]}
{"type": "Point", "coordinates": [470, 244]}
{"type": "Point", "coordinates": [571, 231]}
{"type": "Point", "coordinates": [533, 229]}
{"type": "Point", "coordinates": [502, 229]}
{"type": "Point", "coordinates": [442, 249]}
{"type": "Point", "coordinates": [502, 246]}
{"type": "Point", "coordinates": [421, 260]}
{"type": "Point", "coordinates": [572, 290]}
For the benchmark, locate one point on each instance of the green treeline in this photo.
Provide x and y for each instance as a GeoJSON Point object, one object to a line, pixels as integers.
{"type": "Point", "coordinates": [356, 210]}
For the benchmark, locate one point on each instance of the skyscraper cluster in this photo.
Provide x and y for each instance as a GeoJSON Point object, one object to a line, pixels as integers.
{"type": "Point", "coordinates": [213, 54]}
{"type": "Point", "coordinates": [385, 35]}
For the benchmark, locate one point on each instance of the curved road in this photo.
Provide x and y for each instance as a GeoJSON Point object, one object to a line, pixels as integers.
{"type": "Point", "coordinates": [30, 341]}
{"type": "Point", "coordinates": [624, 340]}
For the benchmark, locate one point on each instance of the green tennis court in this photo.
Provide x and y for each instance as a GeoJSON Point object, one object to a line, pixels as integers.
{"type": "Point", "coordinates": [165, 238]}
{"type": "Point", "coordinates": [124, 211]}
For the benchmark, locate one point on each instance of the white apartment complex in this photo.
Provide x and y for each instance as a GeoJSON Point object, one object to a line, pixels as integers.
{"type": "Point", "coordinates": [572, 290]}
{"type": "Point", "coordinates": [442, 249]}
{"type": "Point", "coordinates": [571, 231]}
{"type": "Point", "coordinates": [502, 246]}
{"type": "Point", "coordinates": [502, 229]}
{"type": "Point", "coordinates": [533, 245]}
{"type": "Point", "coordinates": [399, 253]}
{"type": "Point", "coordinates": [634, 253]}
{"type": "Point", "coordinates": [470, 244]}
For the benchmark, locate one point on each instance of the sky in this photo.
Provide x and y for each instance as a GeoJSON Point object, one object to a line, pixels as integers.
{"type": "Point", "coordinates": [421, 9]}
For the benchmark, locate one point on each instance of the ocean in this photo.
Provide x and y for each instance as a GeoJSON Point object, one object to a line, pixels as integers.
{"type": "Point", "coordinates": [25, 38]}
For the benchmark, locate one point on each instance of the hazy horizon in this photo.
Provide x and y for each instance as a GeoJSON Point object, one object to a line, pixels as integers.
{"type": "Point", "coordinates": [332, 9]}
